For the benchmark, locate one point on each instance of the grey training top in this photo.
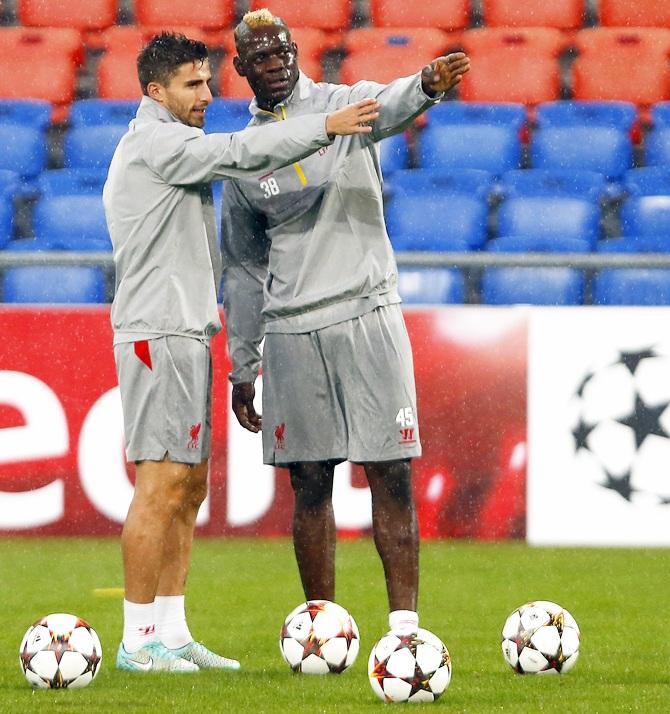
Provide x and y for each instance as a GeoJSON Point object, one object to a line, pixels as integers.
{"type": "Point", "coordinates": [158, 205]}
{"type": "Point", "coordinates": [306, 246]}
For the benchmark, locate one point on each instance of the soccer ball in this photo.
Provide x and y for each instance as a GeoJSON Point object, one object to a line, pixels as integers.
{"type": "Point", "coordinates": [409, 668]}
{"type": "Point", "coordinates": [540, 638]}
{"type": "Point", "coordinates": [60, 651]}
{"type": "Point", "coordinates": [319, 637]}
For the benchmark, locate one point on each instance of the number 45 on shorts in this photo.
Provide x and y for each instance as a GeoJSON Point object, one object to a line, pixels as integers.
{"type": "Point", "coordinates": [405, 417]}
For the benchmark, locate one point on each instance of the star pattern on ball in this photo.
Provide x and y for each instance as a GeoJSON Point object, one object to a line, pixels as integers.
{"type": "Point", "coordinates": [631, 360]}
{"type": "Point", "coordinates": [645, 420]}
{"type": "Point", "coordinates": [581, 433]}
{"type": "Point", "coordinates": [619, 484]}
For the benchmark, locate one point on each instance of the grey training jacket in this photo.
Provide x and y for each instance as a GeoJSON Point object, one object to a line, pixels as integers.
{"type": "Point", "coordinates": [160, 215]}
{"type": "Point", "coordinates": [306, 246]}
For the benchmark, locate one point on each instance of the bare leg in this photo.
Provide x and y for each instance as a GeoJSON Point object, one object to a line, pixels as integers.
{"type": "Point", "coordinates": [314, 528]}
{"type": "Point", "coordinates": [161, 490]}
{"type": "Point", "coordinates": [396, 530]}
{"type": "Point", "coordinates": [177, 548]}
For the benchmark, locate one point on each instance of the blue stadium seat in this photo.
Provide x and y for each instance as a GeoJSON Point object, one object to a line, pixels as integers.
{"type": "Point", "coordinates": [553, 182]}
{"type": "Point", "coordinates": [431, 285]}
{"type": "Point", "coordinates": [394, 154]}
{"type": "Point", "coordinates": [490, 147]}
{"type": "Point", "coordinates": [103, 112]}
{"type": "Point", "coordinates": [648, 181]}
{"type": "Point", "coordinates": [657, 146]}
{"type": "Point", "coordinates": [538, 244]}
{"type": "Point", "coordinates": [532, 286]}
{"type": "Point", "coordinates": [550, 217]}
{"type": "Point", "coordinates": [8, 190]}
{"type": "Point", "coordinates": [469, 113]}
{"type": "Point", "coordinates": [91, 147]}
{"type": "Point", "coordinates": [23, 149]}
{"type": "Point", "coordinates": [646, 215]}
{"type": "Point", "coordinates": [606, 150]}
{"type": "Point", "coordinates": [436, 221]}
{"type": "Point", "coordinates": [74, 222]}
{"type": "Point", "coordinates": [620, 115]}
{"type": "Point", "coordinates": [35, 113]}
{"type": "Point", "coordinates": [226, 115]}
{"type": "Point", "coordinates": [660, 114]}
{"type": "Point", "coordinates": [635, 244]}
{"type": "Point", "coordinates": [473, 182]}
{"type": "Point", "coordinates": [632, 286]}
{"type": "Point", "coordinates": [53, 284]}
{"type": "Point", "coordinates": [69, 182]}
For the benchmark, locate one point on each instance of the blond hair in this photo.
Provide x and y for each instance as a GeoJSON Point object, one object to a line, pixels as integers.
{"type": "Point", "coordinates": [255, 19]}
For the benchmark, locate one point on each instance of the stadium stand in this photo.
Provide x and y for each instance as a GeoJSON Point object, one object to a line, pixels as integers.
{"type": "Point", "coordinates": [472, 182]}
{"type": "Point", "coordinates": [78, 14]}
{"type": "Point", "coordinates": [565, 15]}
{"type": "Point", "coordinates": [553, 182]}
{"type": "Point", "coordinates": [91, 147]}
{"type": "Point", "coordinates": [636, 244]}
{"type": "Point", "coordinates": [532, 286]}
{"type": "Point", "coordinates": [646, 215]}
{"type": "Point", "coordinates": [325, 14]}
{"type": "Point", "coordinates": [394, 153]}
{"type": "Point", "coordinates": [648, 181]}
{"type": "Point", "coordinates": [627, 286]}
{"type": "Point", "coordinates": [446, 15]}
{"type": "Point", "coordinates": [53, 284]}
{"type": "Point", "coordinates": [25, 112]}
{"type": "Point", "coordinates": [9, 186]}
{"type": "Point", "coordinates": [97, 112]}
{"type": "Point", "coordinates": [23, 149]}
{"type": "Point", "coordinates": [71, 222]}
{"type": "Point", "coordinates": [225, 114]}
{"type": "Point", "coordinates": [213, 15]}
{"type": "Point", "coordinates": [623, 13]}
{"type": "Point", "coordinates": [431, 285]}
{"type": "Point", "coordinates": [72, 182]}
{"type": "Point", "coordinates": [620, 115]}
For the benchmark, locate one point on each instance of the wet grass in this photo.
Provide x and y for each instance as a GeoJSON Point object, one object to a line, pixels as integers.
{"type": "Point", "coordinates": [240, 590]}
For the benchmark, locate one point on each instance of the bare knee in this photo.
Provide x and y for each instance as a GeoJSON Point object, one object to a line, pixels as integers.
{"type": "Point", "coordinates": [391, 482]}
{"type": "Point", "coordinates": [312, 484]}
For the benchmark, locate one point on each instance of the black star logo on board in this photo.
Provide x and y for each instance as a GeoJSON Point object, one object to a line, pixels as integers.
{"type": "Point", "coordinates": [581, 433]}
{"type": "Point", "coordinates": [631, 360]}
{"type": "Point", "coordinates": [644, 421]}
{"type": "Point", "coordinates": [621, 485]}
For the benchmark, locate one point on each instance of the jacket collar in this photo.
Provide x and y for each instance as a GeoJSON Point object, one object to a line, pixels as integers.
{"type": "Point", "coordinates": [151, 110]}
{"type": "Point", "coordinates": [302, 90]}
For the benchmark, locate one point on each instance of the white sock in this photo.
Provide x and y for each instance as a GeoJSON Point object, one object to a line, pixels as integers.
{"type": "Point", "coordinates": [403, 622]}
{"type": "Point", "coordinates": [171, 627]}
{"type": "Point", "coordinates": [138, 625]}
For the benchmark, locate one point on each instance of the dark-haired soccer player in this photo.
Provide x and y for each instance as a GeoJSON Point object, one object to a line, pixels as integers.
{"type": "Point", "coordinates": [308, 265]}
{"type": "Point", "coordinates": [158, 204]}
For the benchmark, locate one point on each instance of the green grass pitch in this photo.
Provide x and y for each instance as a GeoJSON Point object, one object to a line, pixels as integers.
{"type": "Point", "coordinates": [240, 590]}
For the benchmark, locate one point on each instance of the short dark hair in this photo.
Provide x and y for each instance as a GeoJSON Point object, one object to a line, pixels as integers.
{"type": "Point", "coordinates": [159, 60]}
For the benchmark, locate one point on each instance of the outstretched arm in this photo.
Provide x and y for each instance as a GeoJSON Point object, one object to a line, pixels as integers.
{"type": "Point", "coordinates": [183, 155]}
{"type": "Point", "coordinates": [444, 73]}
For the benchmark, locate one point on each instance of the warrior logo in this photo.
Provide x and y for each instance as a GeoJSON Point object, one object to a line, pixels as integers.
{"type": "Point", "coordinates": [279, 436]}
{"type": "Point", "coordinates": [195, 435]}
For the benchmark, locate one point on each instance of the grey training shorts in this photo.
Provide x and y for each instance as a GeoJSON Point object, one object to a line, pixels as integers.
{"type": "Point", "coordinates": [344, 392]}
{"type": "Point", "coordinates": [166, 394]}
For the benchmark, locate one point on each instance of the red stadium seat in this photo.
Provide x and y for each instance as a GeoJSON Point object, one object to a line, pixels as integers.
{"type": "Point", "coordinates": [566, 15]}
{"type": "Point", "coordinates": [445, 15]}
{"type": "Point", "coordinates": [117, 75]}
{"type": "Point", "coordinates": [232, 86]}
{"type": "Point", "coordinates": [624, 13]}
{"type": "Point", "coordinates": [212, 15]}
{"type": "Point", "coordinates": [547, 40]}
{"type": "Point", "coordinates": [325, 15]}
{"type": "Point", "coordinates": [78, 14]}
{"type": "Point", "coordinates": [622, 64]}
{"type": "Point", "coordinates": [34, 41]}
{"type": "Point", "coordinates": [132, 38]}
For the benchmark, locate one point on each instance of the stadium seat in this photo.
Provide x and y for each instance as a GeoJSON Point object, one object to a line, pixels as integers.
{"type": "Point", "coordinates": [565, 15]}
{"type": "Point", "coordinates": [207, 16]}
{"type": "Point", "coordinates": [550, 217]}
{"type": "Point", "coordinates": [537, 244]}
{"type": "Point", "coordinates": [553, 182]}
{"type": "Point", "coordinates": [505, 114]}
{"type": "Point", "coordinates": [53, 284]}
{"type": "Point", "coordinates": [624, 13]}
{"type": "Point", "coordinates": [431, 285]}
{"type": "Point", "coordinates": [657, 146]}
{"type": "Point", "coordinates": [23, 149]}
{"type": "Point", "coordinates": [532, 286]}
{"type": "Point", "coordinates": [94, 112]}
{"type": "Point", "coordinates": [660, 114]}
{"type": "Point", "coordinates": [382, 55]}
{"type": "Point", "coordinates": [446, 15]}
{"type": "Point", "coordinates": [91, 147]}
{"type": "Point", "coordinates": [602, 149]}
{"type": "Point", "coordinates": [488, 147]}
{"type": "Point", "coordinates": [646, 215]}
{"type": "Point", "coordinates": [618, 115]}
{"type": "Point", "coordinates": [79, 14]}
{"type": "Point", "coordinates": [71, 182]}
{"type": "Point", "coordinates": [622, 64]}
{"type": "Point", "coordinates": [72, 222]}
{"type": "Point", "coordinates": [33, 42]}
{"type": "Point", "coordinates": [325, 15]}
{"type": "Point", "coordinates": [131, 38]}
{"type": "Point", "coordinates": [436, 221]}
{"type": "Point", "coordinates": [224, 115]}
{"type": "Point", "coordinates": [544, 40]}
{"type": "Point", "coordinates": [635, 244]}
{"type": "Point", "coordinates": [394, 153]}
{"type": "Point", "coordinates": [632, 286]}
{"type": "Point", "coordinates": [116, 76]}
{"type": "Point", "coordinates": [9, 186]}
{"type": "Point", "coordinates": [648, 181]}
{"type": "Point", "coordinates": [472, 182]}
{"type": "Point", "coordinates": [35, 113]}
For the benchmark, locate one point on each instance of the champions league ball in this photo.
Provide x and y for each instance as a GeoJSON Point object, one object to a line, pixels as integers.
{"type": "Point", "coordinates": [621, 426]}
{"type": "Point", "coordinates": [409, 668]}
{"type": "Point", "coordinates": [60, 651]}
{"type": "Point", "coordinates": [540, 638]}
{"type": "Point", "coordinates": [319, 637]}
